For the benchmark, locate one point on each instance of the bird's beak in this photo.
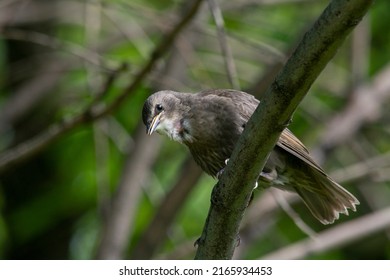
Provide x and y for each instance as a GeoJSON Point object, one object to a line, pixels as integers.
{"type": "Point", "coordinates": [153, 125]}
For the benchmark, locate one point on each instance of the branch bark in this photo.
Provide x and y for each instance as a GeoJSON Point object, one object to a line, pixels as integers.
{"type": "Point", "coordinates": [231, 194]}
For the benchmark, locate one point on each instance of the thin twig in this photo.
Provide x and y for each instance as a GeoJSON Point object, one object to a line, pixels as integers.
{"type": "Point", "coordinates": [155, 233]}
{"type": "Point", "coordinates": [118, 224]}
{"type": "Point", "coordinates": [158, 52]}
{"type": "Point", "coordinates": [32, 146]}
{"type": "Point", "coordinates": [105, 88]}
{"type": "Point", "coordinates": [365, 106]}
{"type": "Point", "coordinates": [226, 51]}
{"type": "Point", "coordinates": [361, 169]}
{"type": "Point", "coordinates": [54, 43]}
{"type": "Point", "coordinates": [360, 53]}
{"type": "Point", "coordinates": [335, 237]}
{"type": "Point", "coordinates": [284, 204]}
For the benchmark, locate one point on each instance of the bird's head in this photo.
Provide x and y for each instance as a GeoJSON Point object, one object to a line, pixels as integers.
{"type": "Point", "coordinates": [163, 112]}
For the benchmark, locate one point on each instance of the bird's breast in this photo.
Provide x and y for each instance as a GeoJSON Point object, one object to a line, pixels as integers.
{"type": "Point", "coordinates": [185, 132]}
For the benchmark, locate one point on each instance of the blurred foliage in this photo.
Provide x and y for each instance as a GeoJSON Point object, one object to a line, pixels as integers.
{"type": "Point", "coordinates": [50, 205]}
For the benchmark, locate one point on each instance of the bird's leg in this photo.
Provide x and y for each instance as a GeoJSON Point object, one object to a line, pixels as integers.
{"type": "Point", "coordinates": [265, 177]}
{"type": "Point", "coordinates": [219, 174]}
{"type": "Point", "coordinates": [268, 177]}
{"type": "Point", "coordinates": [289, 121]}
{"type": "Point", "coordinates": [198, 241]}
{"type": "Point", "coordinates": [238, 240]}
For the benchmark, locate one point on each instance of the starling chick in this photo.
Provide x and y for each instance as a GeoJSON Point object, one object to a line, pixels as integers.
{"type": "Point", "coordinates": [210, 122]}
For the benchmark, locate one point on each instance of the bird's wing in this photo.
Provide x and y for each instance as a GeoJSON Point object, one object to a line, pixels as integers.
{"type": "Point", "coordinates": [246, 104]}
{"type": "Point", "coordinates": [242, 102]}
{"type": "Point", "coordinates": [290, 143]}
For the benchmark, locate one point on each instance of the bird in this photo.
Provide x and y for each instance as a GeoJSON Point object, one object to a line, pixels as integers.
{"type": "Point", "coordinates": [210, 122]}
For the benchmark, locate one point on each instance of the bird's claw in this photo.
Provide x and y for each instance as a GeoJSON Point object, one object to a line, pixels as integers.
{"type": "Point", "coordinates": [198, 241]}
{"type": "Point", "coordinates": [238, 240]}
{"type": "Point", "coordinates": [219, 174]}
{"type": "Point", "coordinates": [268, 177]}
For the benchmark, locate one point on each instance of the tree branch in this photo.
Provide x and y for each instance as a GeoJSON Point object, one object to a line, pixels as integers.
{"type": "Point", "coordinates": [225, 48]}
{"type": "Point", "coordinates": [366, 106]}
{"type": "Point", "coordinates": [54, 43]}
{"type": "Point", "coordinates": [41, 141]}
{"type": "Point", "coordinates": [29, 148]}
{"type": "Point", "coordinates": [119, 221]}
{"type": "Point", "coordinates": [154, 234]}
{"type": "Point", "coordinates": [335, 236]}
{"type": "Point", "coordinates": [231, 194]}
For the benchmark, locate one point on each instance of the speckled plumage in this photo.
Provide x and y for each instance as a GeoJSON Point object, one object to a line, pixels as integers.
{"type": "Point", "coordinates": [210, 122]}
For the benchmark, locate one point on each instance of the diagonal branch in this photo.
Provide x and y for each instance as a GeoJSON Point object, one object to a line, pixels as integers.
{"type": "Point", "coordinates": [31, 147]}
{"type": "Point", "coordinates": [366, 106]}
{"type": "Point", "coordinates": [335, 236]}
{"type": "Point", "coordinates": [225, 48]}
{"type": "Point", "coordinates": [153, 236]}
{"type": "Point", "coordinates": [119, 222]}
{"type": "Point", "coordinates": [231, 195]}
{"type": "Point", "coordinates": [36, 144]}
{"type": "Point", "coordinates": [54, 43]}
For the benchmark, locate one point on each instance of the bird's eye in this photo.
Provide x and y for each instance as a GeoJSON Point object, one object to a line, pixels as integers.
{"type": "Point", "coordinates": [159, 108]}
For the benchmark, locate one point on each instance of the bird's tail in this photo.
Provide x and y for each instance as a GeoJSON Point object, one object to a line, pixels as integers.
{"type": "Point", "coordinates": [325, 198]}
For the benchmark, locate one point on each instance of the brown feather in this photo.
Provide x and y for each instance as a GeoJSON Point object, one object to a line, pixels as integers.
{"type": "Point", "coordinates": [210, 122]}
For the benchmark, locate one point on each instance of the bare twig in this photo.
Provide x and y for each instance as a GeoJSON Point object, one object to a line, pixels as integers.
{"type": "Point", "coordinates": [154, 235]}
{"type": "Point", "coordinates": [30, 93]}
{"type": "Point", "coordinates": [54, 43]}
{"type": "Point", "coordinates": [361, 169]}
{"type": "Point", "coordinates": [118, 223]}
{"type": "Point", "coordinates": [41, 141]}
{"type": "Point", "coordinates": [260, 87]}
{"type": "Point", "coordinates": [92, 29]}
{"type": "Point", "coordinates": [33, 146]}
{"type": "Point", "coordinates": [109, 82]}
{"type": "Point", "coordinates": [336, 236]}
{"type": "Point", "coordinates": [158, 52]}
{"type": "Point", "coordinates": [226, 51]}
{"type": "Point", "coordinates": [360, 52]}
{"type": "Point", "coordinates": [285, 205]}
{"type": "Point", "coordinates": [365, 107]}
